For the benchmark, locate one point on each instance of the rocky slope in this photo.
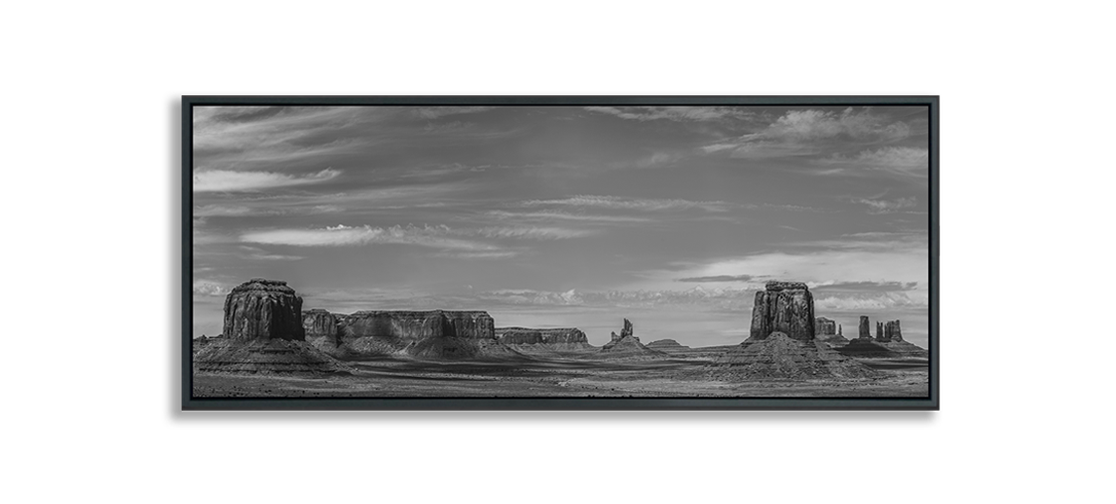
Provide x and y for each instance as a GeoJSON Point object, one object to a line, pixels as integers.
{"type": "Point", "coordinates": [786, 307]}
{"type": "Point", "coordinates": [778, 356]}
{"type": "Point", "coordinates": [274, 356]}
{"type": "Point", "coordinates": [867, 348]}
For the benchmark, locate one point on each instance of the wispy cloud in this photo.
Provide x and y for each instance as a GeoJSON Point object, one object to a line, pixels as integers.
{"type": "Point", "coordinates": [907, 161]}
{"type": "Point", "coordinates": [696, 297]}
{"type": "Point", "coordinates": [440, 237]}
{"type": "Point", "coordinates": [864, 286]}
{"type": "Point", "coordinates": [272, 131]}
{"type": "Point", "coordinates": [238, 181]}
{"type": "Point", "coordinates": [499, 254]}
{"type": "Point", "coordinates": [616, 202]}
{"type": "Point", "coordinates": [436, 112]}
{"type": "Point", "coordinates": [209, 288]}
{"type": "Point", "coordinates": [531, 232]}
{"type": "Point", "coordinates": [258, 254]}
{"type": "Point", "coordinates": [674, 113]}
{"type": "Point", "coordinates": [811, 132]}
{"type": "Point", "coordinates": [218, 210]}
{"type": "Point", "coordinates": [879, 206]}
{"type": "Point", "coordinates": [863, 302]}
{"type": "Point", "coordinates": [719, 278]}
{"type": "Point", "coordinates": [341, 235]}
{"type": "Point", "coordinates": [563, 216]}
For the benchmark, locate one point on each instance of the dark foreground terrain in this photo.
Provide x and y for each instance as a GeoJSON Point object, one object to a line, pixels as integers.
{"type": "Point", "coordinates": [683, 373]}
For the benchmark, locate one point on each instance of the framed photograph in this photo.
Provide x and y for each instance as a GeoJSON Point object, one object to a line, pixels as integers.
{"type": "Point", "coordinates": [560, 252]}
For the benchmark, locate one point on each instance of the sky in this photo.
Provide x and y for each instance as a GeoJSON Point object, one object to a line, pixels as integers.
{"type": "Point", "coordinates": [672, 217]}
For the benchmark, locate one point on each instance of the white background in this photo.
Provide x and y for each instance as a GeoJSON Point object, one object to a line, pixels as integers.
{"type": "Point", "coordinates": [90, 285]}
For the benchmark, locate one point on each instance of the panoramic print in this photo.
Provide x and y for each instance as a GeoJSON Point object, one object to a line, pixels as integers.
{"type": "Point", "coordinates": [560, 251]}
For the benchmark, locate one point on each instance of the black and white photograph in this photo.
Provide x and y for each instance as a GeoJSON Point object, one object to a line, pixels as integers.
{"type": "Point", "coordinates": [529, 251]}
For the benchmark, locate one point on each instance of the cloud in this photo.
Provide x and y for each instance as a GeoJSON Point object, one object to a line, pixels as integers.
{"type": "Point", "coordinates": [337, 236]}
{"type": "Point", "coordinates": [715, 299]}
{"type": "Point", "coordinates": [674, 113]}
{"type": "Point", "coordinates": [236, 181]}
{"type": "Point", "coordinates": [619, 203]}
{"type": "Point", "coordinates": [534, 233]}
{"type": "Point", "coordinates": [259, 254]}
{"type": "Point", "coordinates": [440, 237]}
{"type": "Point", "coordinates": [879, 206]}
{"type": "Point", "coordinates": [907, 161]}
{"type": "Point", "coordinates": [811, 132]}
{"type": "Point", "coordinates": [257, 133]}
{"type": "Point", "coordinates": [719, 278]}
{"type": "Point", "coordinates": [436, 112]}
{"type": "Point", "coordinates": [860, 303]}
{"type": "Point", "coordinates": [817, 124]}
{"type": "Point", "coordinates": [255, 210]}
{"type": "Point", "coordinates": [844, 262]}
{"type": "Point", "coordinates": [864, 286]}
{"type": "Point", "coordinates": [562, 216]}
{"type": "Point", "coordinates": [209, 288]}
{"type": "Point", "coordinates": [502, 254]}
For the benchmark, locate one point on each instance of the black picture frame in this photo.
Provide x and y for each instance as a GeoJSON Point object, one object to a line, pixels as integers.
{"type": "Point", "coordinates": [182, 410]}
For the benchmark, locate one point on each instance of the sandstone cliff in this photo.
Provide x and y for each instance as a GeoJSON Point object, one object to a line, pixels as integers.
{"type": "Point", "coordinates": [418, 325]}
{"type": "Point", "coordinates": [263, 310]}
{"type": "Point", "coordinates": [319, 323]}
{"type": "Point", "coordinates": [863, 330]}
{"type": "Point", "coordinates": [786, 307]}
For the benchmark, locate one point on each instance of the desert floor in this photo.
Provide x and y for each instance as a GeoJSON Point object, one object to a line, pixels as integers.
{"type": "Point", "coordinates": [683, 374]}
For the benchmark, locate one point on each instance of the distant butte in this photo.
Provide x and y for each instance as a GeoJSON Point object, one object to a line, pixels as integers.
{"type": "Point", "coordinates": [786, 307]}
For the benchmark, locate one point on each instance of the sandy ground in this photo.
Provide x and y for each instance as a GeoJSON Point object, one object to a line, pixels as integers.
{"type": "Point", "coordinates": [681, 375]}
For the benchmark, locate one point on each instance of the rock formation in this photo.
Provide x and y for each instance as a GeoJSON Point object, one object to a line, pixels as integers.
{"type": "Point", "coordinates": [778, 356]}
{"type": "Point", "coordinates": [830, 332]}
{"type": "Point", "coordinates": [892, 332]}
{"type": "Point", "coordinates": [434, 335]}
{"type": "Point", "coordinates": [839, 332]}
{"type": "Point", "coordinates": [263, 310]}
{"type": "Point", "coordinates": [824, 327]}
{"type": "Point", "coordinates": [627, 345]}
{"type": "Point", "coordinates": [867, 348]}
{"type": "Point", "coordinates": [263, 335]}
{"type": "Point", "coordinates": [786, 307]}
{"type": "Point", "coordinates": [666, 345]}
{"type": "Point", "coordinates": [527, 336]}
{"type": "Point", "coordinates": [888, 343]}
{"type": "Point", "coordinates": [418, 325]}
{"type": "Point", "coordinates": [863, 333]}
{"type": "Point", "coordinates": [543, 341]}
{"type": "Point", "coordinates": [318, 323]}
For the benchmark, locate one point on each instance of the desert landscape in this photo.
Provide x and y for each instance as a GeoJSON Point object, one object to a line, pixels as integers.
{"type": "Point", "coordinates": [272, 347]}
